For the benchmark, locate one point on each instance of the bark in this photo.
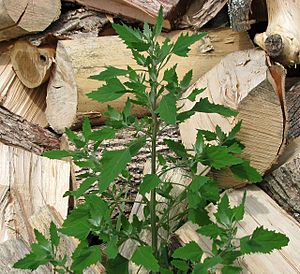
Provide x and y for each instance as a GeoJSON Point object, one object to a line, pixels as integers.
{"type": "Point", "coordinates": [239, 11]}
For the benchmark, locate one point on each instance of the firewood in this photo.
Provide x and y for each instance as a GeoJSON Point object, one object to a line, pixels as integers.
{"type": "Point", "coordinates": [66, 99]}
{"type": "Point", "coordinates": [27, 183]}
{"type": "Point", "coordinates": [31, 64]}
{"type": "Point", "coordinates": [139, 9]}
{"type": "Point", "coordinates": [242, 81]}
{"type": "Point", "coordinates": [14, 96]}
{"type": "Point", "coordinates": [20, 17]}
{"type": "Point", "coordinates": [281, 40]}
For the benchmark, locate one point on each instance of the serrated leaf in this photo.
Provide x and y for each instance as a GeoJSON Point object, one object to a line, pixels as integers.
{"type": "Point", "coordinates": [232, 134]}
{"type": "Point", "coordinates": [187, 78]}
{"type": "Point", "coordinates": [224, 213]}
{"type": "Point", "coordinates": [143, 256]}
{"type": "Point", "coordinates": [208, 263]}
{"type": "Point", "coordinates": [113, 162]}
{"type": "Point", "coordinates": [109, 73]}
{"type": "Point", "coordinates": [230, 269]}
{"type": "Point", "coordinates": [199, 144]}
{"type": "Point", "coordinates": [167, 109]}
{"type": "Point", "coordinates": [184, 41]}
{"type": "Point", "coordinates": [246, 172]}
{"type": "Point", "coordinates": [56, 154]}
{"type": "Point", "coordinates": [136, 145]}
{"type": "Point", "coordinates": [193, 95]}
{"type": "Point", "coordinates": [263, 241]}
{"type": "Point", "coordinates": [41, 239]}
{"type": "Point", "coordinates": [159, 22]}
{"type": "Point", "coordinates": [239, 211]}
{"type": "Point", "coordinates": [150, 181]}
{"type": "Point", "coordinates": [74, 138]}
{"type": "Point", "coordinates": [84, 186]}
{"type": "Point", "coordinates": [182, 116]}
{"type": "Point", "coordinates": [139, 58]}
{"type": "Point", "coordinates": [112, 250]}
{"type": "Point", "coordinates": [181, 265]}
{"type": "Point", "coordinates": [176, 147]}
{"type": "Point", "coordinates": [210, 230]}
{"type": "Point", "coordinates": [31, 261]}
{"type": "Point", "coordinates": [86, 128]}
{"type": "Point", "coordinates": [118, 265]}
{"type": "Point", "coordinates": [190, 251]}
{"type": "Point", "coordinates": [112, 90]}
{"type": "Point", "coordinates": [54, 238]}
{"type": "Point", "coordinates": [198, 182]}
{"type": "Point", "coordinates": [170, 75]}
{"type": "Point", "coordinates": [205, 106]}
{"type": "Point", "coordinates": [208, 135]}
{"type": "Point", "coordinates": [102, 134]}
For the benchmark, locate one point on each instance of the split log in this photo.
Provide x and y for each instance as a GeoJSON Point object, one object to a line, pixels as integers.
{"type": "Point", "coordinates": [244, 82]}
{"type": "Point", "coordinates": [14, 96]}
{"type": "Point", "coordinates": [20, 17]}
{"type": "Point", "coordinates": [139, 9]}
{"type": "Point", "coordinates": [66, 99]}
{"type": "Point", "coordinates": [31, 64]}
{"type": "Point", "coordinates": [27, 183]}
{"type": "Point", "coordinates": [281, 40]}
{"type": "Point", "coordinates": [260, 210]}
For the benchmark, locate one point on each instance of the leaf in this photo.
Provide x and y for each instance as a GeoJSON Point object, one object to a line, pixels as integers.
{"type": "Point", "coordinates": [263, 240]}
{"type": "Point", "coordinates": [198, 182]}
{"type": "Point", "coordinates": [193, 95]}
{"type": "Point", "coordinates": [232, 134]}
{"type": "Point", "coordinates": [143, 256]}
{"type": "Point", "coordinates": [182, 116]}
{"type": "Point", "coordinates": [150, 181]}
{"type": "Point", "coordinates": [230, 269]}
{"type": "Point", "coordinates": [86, 128]}
{"type": "Point", "coordinates": [205, 106]}
{"type": "Point", "coordinates": [190, 251]}
{"type": "Point", "coordinates": [224, 213]}
{"type": "Point", "coordinates": [170, 75]}
{"type": "Point", "coordinates": [139, 58]}
{"type": "Point", "coordinates": [112, 90]}
{"type": "Point", "coordinates": [199, 144]}
{"type": "Point", "coordinates": [210, 230]}
{"type": "Point", "coordinates": [113, 162]}
{"type": "Point", "coordinates": [159, 22]}
{"type": "Point", "coordinates": [102, 134]}
{"type": "Point", "coordinates": [208, 135]}
{"type": "Point", "coordinates": [112, 250]}
{"type": "Point", "coordinates": [31, 261]}
{"type": "Point", "coordinates": [118, 265]}
{"type": "Point", "coordinates": [185, 82]}
{"type": "Point", "coordinates": [74, 138]}
{"type": "Point", "coordinates": [54, 238]}
{"type": "Point", "coordinates": [136, 145]}
{"type": "Point", "coordinates": [177, 147]}
{"type": "Point", "coordinates": [184, 41]}
{"type": "Point", "coordinates": [239, 211]}
{"type": "Point", "coordinates": [246, 172]}
{"type": "Point", "coordinates": [167, 109]}
{"type": "Point", "coordinates": [84, 186]}
{"type": "Point", "coordinates": [56, 154]}
{"type": "Point", "coordinates": [208, 263]}
{"type": "Point", "coordinates": [181, 265]}
{"type": "Point", "coordinates": [109, 73]}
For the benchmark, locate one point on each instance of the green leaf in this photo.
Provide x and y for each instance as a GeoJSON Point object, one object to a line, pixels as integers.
{"type": "Point", "coordinates": [143, 256]}
{"type": "Point", "coordinates": [177, 147]}
{"type": "Point", "coordinates": [193, 95]}
{"type": "Point", "coordinates": [118, 265]}
{"type": "Point", "coordinates": [54, 238]}
{"type": "Point", "coordinates": [198, 182]}
{"type": "Point", "coordinates": [182, 116]}
{"type": "Point", "coordinates": [230, 269]}
{"type": "Point", "coordinates": [31, 261]}
{"type": "Point", "coordinates": [42, 240]}
{"type": "Point", "coordinates": [239, 211]}
{"type": "Point", "coordinates": [86, 128]}
{"type": "Point", "coordinates": [167, 109]}
{"type": "Point", "coordinates": [136, 145]}
{"type": "Point", "coordinates": [109, 73]}
{"type": "Point", "coordinates": [205, 106]}
{"type": "Point", "coordinates": [199, 144]}
{"type": "Point", "coordinates": [56, 154]}
{"type": "Point", "coordinates": [224, 213]}
{"type": "Point", "coordinates": [184, 41]}
{"type": "Point", "coordinates": [150, 181]}
{"type": "Point", "coordinates": [159, 22]}
{"type": "Point", "coordinates": [113, 162]}
{"type": "Point", "coordinates": [112, 250]}
{"type": "Point", "coordinates": [181, 265]}
{"type": "Point", "coordinates": [246, 172]}
{"type": "Point", "coordinates": [139, 58]}
{"type": "Point", "coordinates": [102, 134]}
{"type": "Point", "coordinates": [263, 240]}
{"type": "Point", "coordinates": [208, 263]}
{"type": "Point", "coordinates": [190, 251]}
{"type": "Point", "coordinates": [74, 138]}
{"type": "Point", "coordinates": [185, 82]}
{"type": "Point", "coordinates": [232, 134]}
{"type": "Point", "coordinates": [208, 135]}
{"type": "Point", "coordinates": [210, 230]}
{"type": "Point", "coordinates": [170, 75]}
{"type": "Point", "coordinates": [113, 90]}
{"type": "Point", "coordinates": [84, 186]}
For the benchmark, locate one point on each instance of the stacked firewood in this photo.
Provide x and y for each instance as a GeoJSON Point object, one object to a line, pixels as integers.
{"type": "Point", "coordinates": [49, 49]}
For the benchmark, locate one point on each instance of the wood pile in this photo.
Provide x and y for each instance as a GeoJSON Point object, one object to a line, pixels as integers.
{"type": "Point", "coordinates": [48, 51]}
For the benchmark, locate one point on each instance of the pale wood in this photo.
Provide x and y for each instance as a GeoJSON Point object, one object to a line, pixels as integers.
{"type": "Point", "coordinates": [241, 81]}
{"type": "Point", "coordinates": [31, 64]}
{"type": "Point", "coordinates": [140, 9]}
{"type": "Point", "coordinates": [260, 210]}
{"type": "Point", "coordinates": [16, 131]}
{"type": "Point", "coordinates": [282, 39]}
{"type": "Point", "coordinates": [28, 103]}
{"type": "Point", "coordinates": [18, 18]}
{"type": "Point", "coordinates": [27, 183]}
{"type": "Point", "coordinates": [69, 84]}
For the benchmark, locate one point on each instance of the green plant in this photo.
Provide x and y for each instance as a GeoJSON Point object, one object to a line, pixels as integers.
{"type": "Point", "coordinates": [159, 91]}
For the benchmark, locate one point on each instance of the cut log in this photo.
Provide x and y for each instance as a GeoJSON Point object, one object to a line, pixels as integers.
{"type": "Point", "coordinates": [281, 40]}
{"type": "Point", "coordinates": [28, 103]}
{"type": "Point", "coordinates": [31, 64]}
{"type": "Point", "coordinates": [66, 98]}
{"type": "Point", "coordinates": [20, 17]}
{"type": "Point", "coordinates": [27, 183]}
{"type": "Point", "coordinates": [16, 131]}
{"type": "Point", "coordinates": [260, 210]}
{"type": "Point", "coordinates": [242, 81]}
{"type": "Point", "coordinates": [139, 9]}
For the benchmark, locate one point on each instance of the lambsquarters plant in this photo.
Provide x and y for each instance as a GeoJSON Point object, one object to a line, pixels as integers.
{"type": "Point", "coordinates": [102, 214]}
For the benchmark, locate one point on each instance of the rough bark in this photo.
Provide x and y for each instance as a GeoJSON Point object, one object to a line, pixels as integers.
{"type": "Point", "coordinates": [18, 18]}
{"type": "Point", "coordinates": [66, 99]}
{"type": "Point", "coordinates": [239, 11]}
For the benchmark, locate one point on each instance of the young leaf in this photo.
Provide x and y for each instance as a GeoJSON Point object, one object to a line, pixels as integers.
{"type": "Point", "coordinates": [190, 251]}
{"type": "Point", "coordinates": [263, 240]}
{"type": "Point", "coordinates": [54, 238]}
{"type": "Point", "coordinates": [113, 162]}
{"type": "Point", "coordinates": [159, 22]}
{"type": "Point", "coordinates": [193, 95]}
{"type": "Point", "coordinates": [184, 41]}
{"type": "Point", "coordinates": [167, 109]}
{"type": "Point", "coordinates": [109, 73]}
{"type": "Point", "coordinates": [205, 106]}
{"type": "Point", "coordinates": [150, 181]}
{"type": "Point", "coordinates": [118, 265]}
{"type": "Point", "coordinates": [143, 256]}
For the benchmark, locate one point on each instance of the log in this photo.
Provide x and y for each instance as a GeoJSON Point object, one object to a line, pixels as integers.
{"type": "Point", "coordinates": [281, 40]}
{"type": "Point", "coordinates": [27, 183]}
{"type": "Point", "coordinates": [260, 210]}
{"type": "Point", "coordinates": [31, 64]}
{"type": "Point", "coordinates": [66, 99]}
{"type": "Point", "coordinates": [139, 9]}
{"type": "Point", "coordinates": [14, 96]}
{"type": "Point", "coordinates": [20, 17]}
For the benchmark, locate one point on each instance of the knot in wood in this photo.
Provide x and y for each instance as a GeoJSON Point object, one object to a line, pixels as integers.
{"type": "Point", "coordinates": [274, 45]}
